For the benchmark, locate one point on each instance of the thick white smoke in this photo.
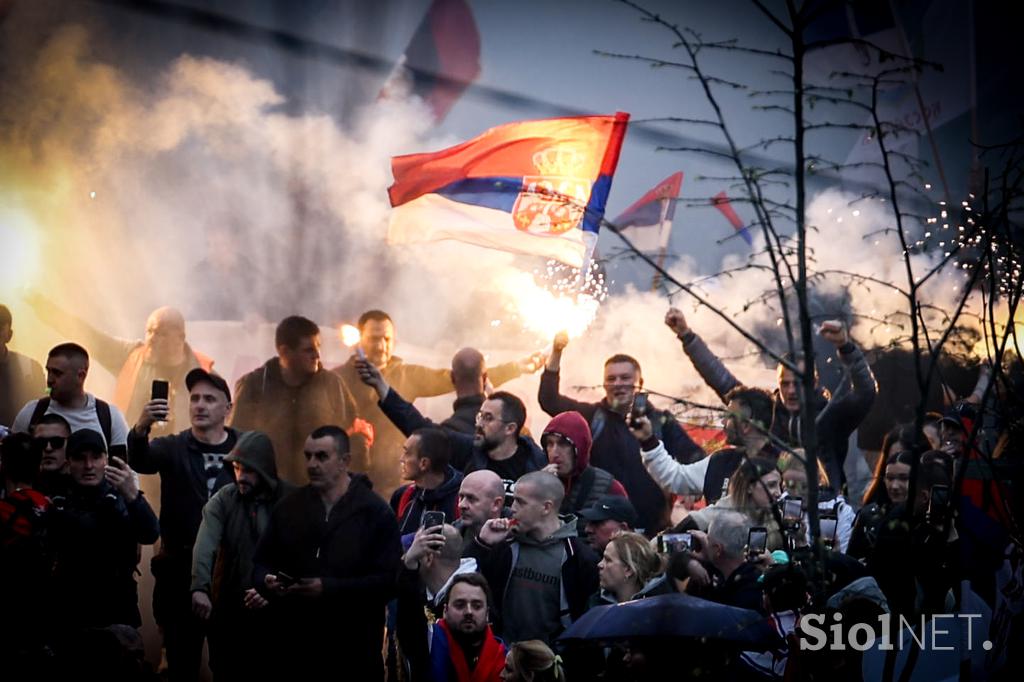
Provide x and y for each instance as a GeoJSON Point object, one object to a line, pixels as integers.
{"type": "Point", "coordinates": [199, 183]}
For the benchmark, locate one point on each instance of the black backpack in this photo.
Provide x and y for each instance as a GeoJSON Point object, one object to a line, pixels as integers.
{"type": "Point", "coordinates": [102, 414]}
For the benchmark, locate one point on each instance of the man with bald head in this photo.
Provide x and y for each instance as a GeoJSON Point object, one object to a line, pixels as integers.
{"type": "Point", "coordinates": [469, 377]}
{"type": "Point", "coordinates": [534, 560]}
{"type": "Point", "coordinates": [162, 354]}
{"type": "Point", "coordinates": [481, 498]}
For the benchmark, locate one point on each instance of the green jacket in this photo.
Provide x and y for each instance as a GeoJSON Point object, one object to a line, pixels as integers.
{"type": "Point", "coordinates": [232, 524]}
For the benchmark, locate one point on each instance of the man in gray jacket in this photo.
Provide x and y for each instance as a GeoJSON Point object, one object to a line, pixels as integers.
{"type": "Point", "coordinates": [222, 567]}
{"type": "Point", "coordinates": [838, 415]}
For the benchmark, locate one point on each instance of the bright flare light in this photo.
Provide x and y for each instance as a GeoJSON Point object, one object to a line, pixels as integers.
{"type": "Point", "coordinates": [348, 334]}
{"type": "Point", "coordinates": [19, 251]}
{"type": "Point", "coordinates": [559, 306]}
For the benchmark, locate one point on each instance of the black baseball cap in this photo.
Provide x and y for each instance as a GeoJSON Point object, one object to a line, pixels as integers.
{"type": "Point", "coordinates": [610, 507]}
{"type": "Point", "coordinates": [199, 374]}
{"type": "Point", "coordinates": [86, 440]}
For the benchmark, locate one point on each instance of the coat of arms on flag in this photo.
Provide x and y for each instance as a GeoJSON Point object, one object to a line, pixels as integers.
{"type": "Point", "coordinates": [533, 187]}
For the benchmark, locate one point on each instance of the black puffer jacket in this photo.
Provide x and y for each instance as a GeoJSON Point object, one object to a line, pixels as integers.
{"type": "Point", "coordinates": [94, 538]}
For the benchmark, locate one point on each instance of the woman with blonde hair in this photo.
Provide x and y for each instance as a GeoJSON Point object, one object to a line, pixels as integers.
{"type": "Point", "coordinates": [753, 490]}
{"type": "Point", "coordinates": [532, 661]}
{"type": "Point", "coordinates": [630, 569]}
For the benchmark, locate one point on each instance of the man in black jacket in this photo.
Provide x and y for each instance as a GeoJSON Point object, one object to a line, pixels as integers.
{"type": "Point", "coordinates": [496, 444]}
{"type": "Point", "coordinates": [190, 465]}
{"type": "Point", "coordinates": [94, 534]}
{"type": "Point", "coordinates": [615, 449]}
{"type": "Point", "coordinates": [329, 559]}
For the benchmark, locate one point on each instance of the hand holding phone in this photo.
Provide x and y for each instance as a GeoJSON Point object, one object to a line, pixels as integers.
{"type": "Point", "coordinates": [286, 580]}
{"type": "Point", "coordinates": [160, 390]}
{"type": "Point", "coordinates": [431, 519]}
{"type": "Point", "coordinates": [638, 410]}
{"type": "Point", "coordinates": [757, 542]}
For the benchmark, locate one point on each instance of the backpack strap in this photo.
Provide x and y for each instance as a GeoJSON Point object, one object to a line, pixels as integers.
{"type": "Point", "coordinates": [103, 416]}
{"type": "Point", "coordinates": [42, 405]}
{"type": "Point", "coordinates": [597, 423]}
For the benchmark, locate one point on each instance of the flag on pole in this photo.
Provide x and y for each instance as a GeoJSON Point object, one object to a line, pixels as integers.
{"type": "Point", "coordinates": [533, 187]}
{"type": "Point", "coordinates": [721, 202]}
{"type": "Point", "coordinates": [649, 220]}
{"type": "Point", "coordinates": [442, 58]}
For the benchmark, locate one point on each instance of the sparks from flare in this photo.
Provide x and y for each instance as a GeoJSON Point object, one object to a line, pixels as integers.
{"type": "Point", "coordinates": [547, 302]}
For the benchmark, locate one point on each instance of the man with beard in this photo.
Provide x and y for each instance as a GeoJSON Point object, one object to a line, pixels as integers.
{"type": "Point", "coordinates": [614, 446]}
{"type": "Point", "coordinates": [328, 562]}
{"type": "Point", "coordinates": [497, 444]}
{"type": "Point", "coordinates": [292, 394]}
{"type": "Point", "coordinates": [838, 415]}
{"type": "Point", "coordinates": [162, 354]}
{"type": "Point", "coordinates": [463, 646]}
{"type": "Point", "coordinates": [748, 415]}
{"type": "Point", "coordinates": [377, 343]}
{"type": "Point", "coordinates": [233, 521]}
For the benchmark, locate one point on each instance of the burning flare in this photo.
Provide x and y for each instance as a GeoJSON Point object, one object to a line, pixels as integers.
{"type": "Point", "coordinates": [349, 335]}
{"type": "Point", "coordinates": [560, 305]}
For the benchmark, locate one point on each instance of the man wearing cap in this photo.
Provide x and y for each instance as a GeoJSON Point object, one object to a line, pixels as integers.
{"type": "Point", "coordinates": [233, 520]}
{"type": "Point", "coordinates": [610, 515]}
{"type": "Point", "coordinates": [94, 532]}
{"type": "Point", "coordinates": [191, 469]}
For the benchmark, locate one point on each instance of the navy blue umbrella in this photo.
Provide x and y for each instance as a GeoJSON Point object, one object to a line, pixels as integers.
{"type": "Point", "coordinates": [674, 615]}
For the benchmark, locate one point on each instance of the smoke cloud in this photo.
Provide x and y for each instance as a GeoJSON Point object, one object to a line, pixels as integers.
{"type": "Point", "coordinates": [197, 189]}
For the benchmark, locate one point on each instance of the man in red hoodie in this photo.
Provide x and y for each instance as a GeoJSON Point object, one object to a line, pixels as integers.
{"type": "Point", "coordinates": [567, 440]}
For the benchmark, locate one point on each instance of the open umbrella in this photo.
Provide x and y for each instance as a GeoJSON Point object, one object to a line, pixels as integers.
{"type": "Point", "coordinates": [674, 615]}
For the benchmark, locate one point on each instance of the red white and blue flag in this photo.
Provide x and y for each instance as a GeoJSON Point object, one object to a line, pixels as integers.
{"type": "Point", "coordinates": [533, 187]}
{"type": "Point", "coordinates": [442, 59]}
{"type": "Point", "coordinates": [721, 202]}
{"type": "Point", "coordinates": [648, 222]}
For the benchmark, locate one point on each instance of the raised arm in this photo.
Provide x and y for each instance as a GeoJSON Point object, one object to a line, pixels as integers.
{"type": "Point", "coordinates": [715, 374]}
{"type": "Point", "coordinates": [551, 401]}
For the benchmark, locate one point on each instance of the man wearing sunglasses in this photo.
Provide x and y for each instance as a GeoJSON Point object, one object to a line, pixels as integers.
{"type": "Point", "coordinates": [50, 436]}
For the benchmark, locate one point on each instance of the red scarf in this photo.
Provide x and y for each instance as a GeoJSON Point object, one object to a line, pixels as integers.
{"type": "Point", "coordinates": [488, 666]}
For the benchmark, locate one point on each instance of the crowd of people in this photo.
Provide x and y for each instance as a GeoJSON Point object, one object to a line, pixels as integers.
{"type": "Point", "coordinates": [314, 520]}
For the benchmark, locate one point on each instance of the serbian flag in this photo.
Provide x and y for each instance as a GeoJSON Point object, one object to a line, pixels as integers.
{"type": "Point", "coordinates": [721, 202]}
{"type": "Point", "coordinates": [533, 187]}
{"type": "Point", "coordinates": [649, 220]}
{"type": "Point", "coordinates": [442, 58]}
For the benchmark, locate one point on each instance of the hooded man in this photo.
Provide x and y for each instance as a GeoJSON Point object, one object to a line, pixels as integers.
{"type": "Point", "coordinates": [566, 440]}
{"type": "Point", "coordinates": [222, 562]}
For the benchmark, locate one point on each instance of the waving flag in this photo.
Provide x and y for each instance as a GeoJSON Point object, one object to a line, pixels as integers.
{"type": "Point", "coordinates": [721, 202]}
{"type": "Point", "coordinates": [442, 59]}
{"type": "Point", "coordinates": [649, 220]}
{"type": "Point", "coordinates": [534, 187]}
